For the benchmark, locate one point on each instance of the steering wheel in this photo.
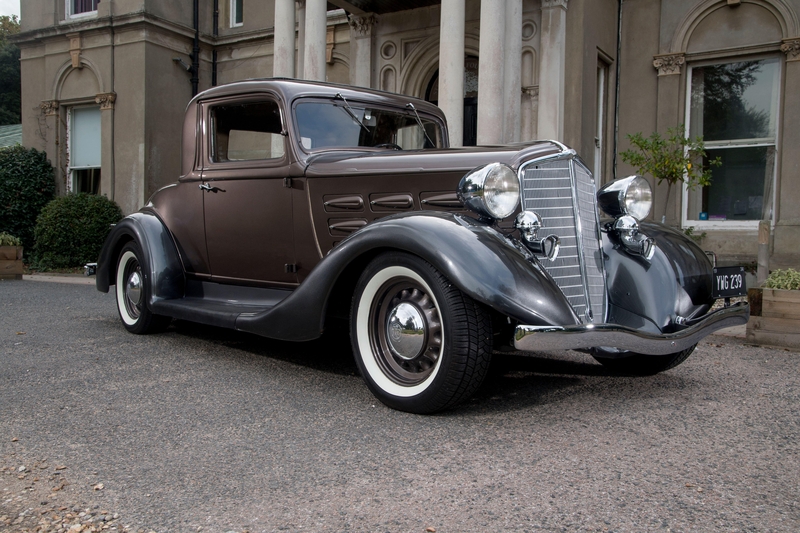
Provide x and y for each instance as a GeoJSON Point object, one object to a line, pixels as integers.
{"type": "Point", "coordinates": [393, 146]}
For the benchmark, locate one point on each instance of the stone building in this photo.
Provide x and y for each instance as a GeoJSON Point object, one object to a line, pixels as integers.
{"type": "Point", "coordinates": [105, 84]}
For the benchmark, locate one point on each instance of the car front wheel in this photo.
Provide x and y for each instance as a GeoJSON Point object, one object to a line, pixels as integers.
{"type": "Point", "coordinates": [131, 291]}
{"type": "Point", "coordinates": [420, 343]}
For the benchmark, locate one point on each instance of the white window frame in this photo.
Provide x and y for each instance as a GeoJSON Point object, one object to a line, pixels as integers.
{"type": "Point", "coordinates": [71, 16]}
{"type": "Point", "coordinates": [69, 132]}
{"type": "Point", "coordinates": [749, 143]}
{"type": "Point", "coordinates": [235, 24]}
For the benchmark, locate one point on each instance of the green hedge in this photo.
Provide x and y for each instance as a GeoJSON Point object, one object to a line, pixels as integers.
{"type": "Point", "coordinates": [71, 230]}
{"type": "Point", "coordinates": [26, 186]}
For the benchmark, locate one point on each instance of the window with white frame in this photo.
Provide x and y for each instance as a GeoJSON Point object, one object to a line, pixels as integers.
{"type": "Point", "coordinates": [84, 146]}
{"type": "Point", "coordinates": [734, 107]}
{"type": "Point", "coordinates": [237, 13]}
{"type": "Point", "coordinates": [81, 7]}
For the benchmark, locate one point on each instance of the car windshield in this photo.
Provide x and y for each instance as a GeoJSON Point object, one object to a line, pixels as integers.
{"type": "Point", "coordinates": [339, 124]}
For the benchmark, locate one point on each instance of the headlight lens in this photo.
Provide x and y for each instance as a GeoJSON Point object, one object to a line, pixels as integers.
{"type": "Point", "coordinates": [492, 191]}
{"type": "Point", "coordinates": [628, 196]}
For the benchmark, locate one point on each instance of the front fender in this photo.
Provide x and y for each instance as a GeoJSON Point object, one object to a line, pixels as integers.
{"type": "Point", "coordinates": [161, 264]}
{"type": "Point", "coordinates": [473, 256]}
{"type": "Point", "coordinates": [649, 295]}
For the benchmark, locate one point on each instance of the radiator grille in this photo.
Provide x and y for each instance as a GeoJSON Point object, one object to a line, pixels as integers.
{"type": "Point", "coordinates": [562, 192]}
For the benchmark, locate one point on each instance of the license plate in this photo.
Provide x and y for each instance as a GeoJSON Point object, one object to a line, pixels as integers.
{"type": "Point", "coordinates": [728, 281]}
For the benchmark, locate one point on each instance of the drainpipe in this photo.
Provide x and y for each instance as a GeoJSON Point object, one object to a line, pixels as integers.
{"type": "Point", "coordinates": [196, 49]}
{"type": "Point", "coordinates": [616, 88]}
{"type": "Point", "coordinates": [214, 52]}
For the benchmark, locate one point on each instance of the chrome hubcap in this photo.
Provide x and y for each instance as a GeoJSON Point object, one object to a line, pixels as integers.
{"type": "Point", "coordinates": [133, 289]}
{"type": "Point", "coordinates": [405, 331]}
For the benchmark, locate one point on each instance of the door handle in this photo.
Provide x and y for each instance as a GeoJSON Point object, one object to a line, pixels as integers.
{"type": "Point", "coordinates": [208, 188]}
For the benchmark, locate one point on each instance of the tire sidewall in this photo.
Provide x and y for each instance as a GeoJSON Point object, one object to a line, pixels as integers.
{"type": "Point", "coordinates": [130, 252]}
{"type": "Point", "coordinates": [423, 396]}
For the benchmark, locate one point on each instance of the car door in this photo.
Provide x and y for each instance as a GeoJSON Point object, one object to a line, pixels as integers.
{"type": "Point", "coordinates": [247, 204]}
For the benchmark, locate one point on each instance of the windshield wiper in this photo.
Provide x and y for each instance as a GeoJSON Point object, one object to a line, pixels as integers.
{"type": "Point", "coordinates": [419, 121]}
{"type": "Point", "coordinates": [350, 111]}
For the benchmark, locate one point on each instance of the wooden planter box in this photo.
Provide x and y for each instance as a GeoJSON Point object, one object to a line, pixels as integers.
{"type": "Point", "coordinates": [774, 317]}
{"type": "Point", "coordinates": [10, 262]}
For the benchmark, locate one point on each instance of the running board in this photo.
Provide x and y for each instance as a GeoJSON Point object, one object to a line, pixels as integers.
{"type": "Point", "coordinates": [219, 305]}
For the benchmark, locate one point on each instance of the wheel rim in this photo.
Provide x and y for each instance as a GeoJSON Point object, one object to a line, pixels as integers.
{"type": "Point", "coordinates": [130, 288]}
{"type": "Point", "coordinates": [405, 331]}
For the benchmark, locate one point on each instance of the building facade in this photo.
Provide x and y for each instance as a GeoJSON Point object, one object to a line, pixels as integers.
{"type": "Point", "coordinates": [105, 85]}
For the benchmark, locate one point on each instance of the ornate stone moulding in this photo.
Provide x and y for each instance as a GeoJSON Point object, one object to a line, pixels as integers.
{"type": "Point", "coordinates": [791, 47]}
{"type": "Point", "coordinates": [668, 64]}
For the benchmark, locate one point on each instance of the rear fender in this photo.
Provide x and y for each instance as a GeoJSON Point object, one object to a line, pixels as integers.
{"type": "Point", "coordinates": [161, 264]}
{"type": "Point", "coordinates": [475, 257]}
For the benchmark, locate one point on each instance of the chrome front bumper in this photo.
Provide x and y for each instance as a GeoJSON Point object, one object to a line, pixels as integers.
{"type": "Point", "coordinates": [544, 338]}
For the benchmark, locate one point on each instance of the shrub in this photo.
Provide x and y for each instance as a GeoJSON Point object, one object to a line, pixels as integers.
{"type": "Point", "coordinates": [788, 279]}
{"type": "Point", "coordinates": [670, 158]}
{"type": "Point", "coordinates": [71, 230]}
{"type": "Point", "coordinates": [9, 240]}
{"type": "Point", "coordinates": [26, 186]}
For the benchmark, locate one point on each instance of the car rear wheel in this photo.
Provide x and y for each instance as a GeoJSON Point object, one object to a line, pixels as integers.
{"type": "Point", "coordinates": [420, 343]}
{"type": "Point", "coordinates": [131, 291]}
{"type": "Point", "coordinates": [637, 364]}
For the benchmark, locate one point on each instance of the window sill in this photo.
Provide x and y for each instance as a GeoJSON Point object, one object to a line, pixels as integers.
{"type": "Point", "coordinates": [79, 16]}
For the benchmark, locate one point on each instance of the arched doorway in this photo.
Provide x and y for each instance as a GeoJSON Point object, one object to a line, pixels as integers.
{"type": "Point", "coordinates": [470, 98]}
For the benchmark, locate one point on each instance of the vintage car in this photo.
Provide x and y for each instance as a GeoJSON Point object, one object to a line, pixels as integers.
{"type": "Point", "coordinates": [301, 203]}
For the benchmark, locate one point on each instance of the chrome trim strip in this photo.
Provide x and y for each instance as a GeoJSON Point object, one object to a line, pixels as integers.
{"type": "Point", "coordinates": [543, 338]}
{"type": "Point", "coordinates": [579, 242]}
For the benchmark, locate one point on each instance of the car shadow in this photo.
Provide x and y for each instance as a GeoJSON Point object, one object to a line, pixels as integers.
{"type": "Point", "coordinates": [515, 380]}
{"type": "Point", "coordinates": [330, 353]}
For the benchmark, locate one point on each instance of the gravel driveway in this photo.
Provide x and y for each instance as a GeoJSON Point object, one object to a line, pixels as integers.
{"type": "Point", "coordinates": [202, 429]}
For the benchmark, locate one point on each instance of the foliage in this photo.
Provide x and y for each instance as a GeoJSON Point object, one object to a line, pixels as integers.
{"type": "Point", "coordinates": [71, 230]}
{"type": "Point", "coordinates": [788, 279]}
{"type": "Point", "coordinates": [725, 111]}
{"type": "Point", "coordinates": [696, 237]}
{"type": "Point", "coordinates": [26, 186]}
{"type": "Point", "coordinates": [6, 239]}
{"type": "Point", "coordinates": [10, 84]}
{"type": "Point", "coordinates": [670, 158]}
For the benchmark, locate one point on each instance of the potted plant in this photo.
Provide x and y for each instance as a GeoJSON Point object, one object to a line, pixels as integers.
{"type": "Point", "coordinates": [775, 310]}
{"type": "Point", "coordinates": [10, 257]}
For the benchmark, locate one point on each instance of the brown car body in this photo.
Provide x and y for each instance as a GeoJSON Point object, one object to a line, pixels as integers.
{"type": "Point", "coordinates": [270, 230]}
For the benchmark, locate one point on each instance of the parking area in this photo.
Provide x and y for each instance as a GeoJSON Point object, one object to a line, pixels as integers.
{"type": "Point", "coordinates": [203, 429]}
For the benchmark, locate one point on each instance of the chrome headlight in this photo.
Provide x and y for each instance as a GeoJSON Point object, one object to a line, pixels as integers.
{"type": "Point", "coordinates": [628, 196]}
{"type": "Point", "coordinates": [492, 191]}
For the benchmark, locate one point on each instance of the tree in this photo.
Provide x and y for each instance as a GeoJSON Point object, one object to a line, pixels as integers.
{"type": "Point", "coordinates": [10, 81]}
{"type": "Point", "coordinates": [671, 158]}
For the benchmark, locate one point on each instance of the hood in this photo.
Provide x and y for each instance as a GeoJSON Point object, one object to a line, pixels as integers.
{"type": "Point", "coordinates": [370, 161]}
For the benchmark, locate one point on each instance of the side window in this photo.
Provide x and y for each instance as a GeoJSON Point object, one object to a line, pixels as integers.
{"type": "Point", "coordinates": [246, 132]}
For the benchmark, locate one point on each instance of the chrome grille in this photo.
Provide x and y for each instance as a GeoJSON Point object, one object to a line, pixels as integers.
{"type": "Point", "coordinates": [562, 192]}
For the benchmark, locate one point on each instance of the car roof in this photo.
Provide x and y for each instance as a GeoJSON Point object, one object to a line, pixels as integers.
{"type": "Point", "coordinates": [290, 89]}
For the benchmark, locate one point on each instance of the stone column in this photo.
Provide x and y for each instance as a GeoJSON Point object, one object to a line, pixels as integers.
{"type": "Point", "coordinates": [551, 69]}
{"type": "Point", "coordinates": [451, 68]}
{"type": "Point", "coordinates": [314, 46]}
{"type": "Point", "coordinates": [490, 72]}
{"type": "Point", "coordinates": [512, 97]}
{"type": "Point", "coordinates": [107, 182]}
{"type": "Point", "coordinates": [301, 37]}
{"type": "Point", "coordinates": [52, 129]}
{"type": "Point", "coordinates": [787, 213]}
{"type": "Point", "coordinates": [283, 54]}
{"type": "Point", "coordinates": [361, 49]}
{"type": "Point", "coordinates": [668, 116]}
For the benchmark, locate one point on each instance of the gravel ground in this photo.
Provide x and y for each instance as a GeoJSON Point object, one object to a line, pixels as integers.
{"type": "Point", "coordinates": [201, 429]}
